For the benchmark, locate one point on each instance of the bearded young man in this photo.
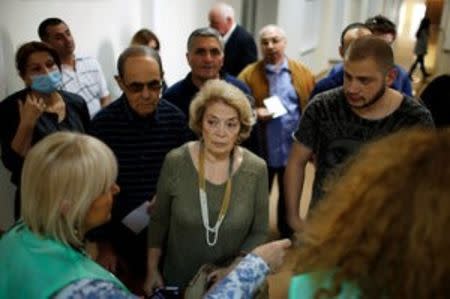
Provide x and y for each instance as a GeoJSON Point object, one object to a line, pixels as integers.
{"type": "Point", "coordinates": [336, 123]}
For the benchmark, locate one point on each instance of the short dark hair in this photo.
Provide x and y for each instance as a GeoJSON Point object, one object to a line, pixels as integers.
{"type": "Point", "coordinates": [135, 51]}
{"type": "Point", "coordinates": [205, 32]}
{"type": "Point", "coordinates": [42, 29]}
{"type": "Point", "coordinates": [370, 46]}
{"type": "Point", "coordinates": [381, 24]}
{"type": "Point", "coordinates": [144, 36]}
{"type": "Point", "coordinates": [350, 27]}
{"type": "Point", "coordinates": [24, 52]}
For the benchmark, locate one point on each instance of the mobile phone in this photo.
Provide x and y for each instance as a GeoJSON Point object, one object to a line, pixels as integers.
{"type": "Point", "coordinates": [167, 292]}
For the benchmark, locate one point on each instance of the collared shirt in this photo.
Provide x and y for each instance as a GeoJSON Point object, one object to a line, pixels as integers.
{"type": "Point", "coordinates": [279, 130]}
{"type": "Point", "coordinates": [87, 81]}
{"type": "Point", "coordinates": [227, 35]}
{"type": "Point", "coordinates": [140, 145]}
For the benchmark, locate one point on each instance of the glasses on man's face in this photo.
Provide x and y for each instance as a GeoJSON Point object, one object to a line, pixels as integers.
{"type": "Point", "coordinates": [135, 87]}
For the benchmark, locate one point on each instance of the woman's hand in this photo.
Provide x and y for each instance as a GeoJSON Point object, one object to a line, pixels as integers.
{"type": "Point", "coordinates": [273, 253]}
{"type": "Point", "coordinates": [31, 110]}
{"type": "Point", "coordinates": [152, 281]}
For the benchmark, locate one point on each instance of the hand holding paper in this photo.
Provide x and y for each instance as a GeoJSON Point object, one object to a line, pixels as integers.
{"type": "Point", "coordinates": [275, 106]}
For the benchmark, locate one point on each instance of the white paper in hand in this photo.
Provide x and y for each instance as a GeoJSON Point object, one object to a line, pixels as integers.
{"type": "Point", "coordinates": [137, 219]}
{"type": "Point", "coordinates": [275, 106]}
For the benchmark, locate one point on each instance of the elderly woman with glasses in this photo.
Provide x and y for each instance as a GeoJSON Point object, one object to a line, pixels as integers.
{"type": "Point", "coordinates": [212, 194]}
{"type": "Point", "coordinates": [38, 110]}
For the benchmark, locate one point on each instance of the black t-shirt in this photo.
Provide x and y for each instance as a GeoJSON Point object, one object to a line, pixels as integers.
{"type": "Point", "coordinates": [334, 132]}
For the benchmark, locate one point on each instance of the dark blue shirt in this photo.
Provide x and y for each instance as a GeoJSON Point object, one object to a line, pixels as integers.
{"type": "Point", "coordinates": [140, 145]}
{"type": "Point", "coordinates": [335, 79]}
{"type": "Point", "coordinates": [181, 93]}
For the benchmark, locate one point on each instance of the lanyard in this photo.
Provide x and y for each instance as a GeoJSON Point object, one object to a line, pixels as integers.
{"type": "Point", "coordinates": [214, 230]}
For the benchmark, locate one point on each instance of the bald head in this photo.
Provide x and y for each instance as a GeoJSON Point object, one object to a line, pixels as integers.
{"type": "Point", "coordinates": [271, 29]}
{"type": "Point", "coordinates": [273, 44]}
{"type": "Point", "coordinates": [221, 17]}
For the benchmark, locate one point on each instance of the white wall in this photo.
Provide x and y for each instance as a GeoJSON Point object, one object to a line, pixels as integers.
{"type": "Point", "coordinates": [443, 49]}
{"type": "Point", "coordinates": [314, 27]}
{"type": "Point", "coordinates": [173, 22]}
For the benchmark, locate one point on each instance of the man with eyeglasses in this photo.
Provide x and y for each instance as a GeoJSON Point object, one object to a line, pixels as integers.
{"type": "Point", "coordinates": [141, 129]}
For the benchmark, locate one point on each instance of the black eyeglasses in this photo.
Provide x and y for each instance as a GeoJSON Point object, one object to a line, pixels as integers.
{"type": "Point", "coordinates": [139, 86]}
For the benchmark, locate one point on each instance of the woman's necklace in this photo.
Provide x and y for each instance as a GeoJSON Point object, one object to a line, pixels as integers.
{"type": "Point", "coordinates": [212, 231]}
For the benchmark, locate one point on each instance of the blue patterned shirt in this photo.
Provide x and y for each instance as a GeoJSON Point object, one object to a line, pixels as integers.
{"type": "Point", "coordinates": [241, 283]}
{"type": "Point", "coordinates": [279, 130]}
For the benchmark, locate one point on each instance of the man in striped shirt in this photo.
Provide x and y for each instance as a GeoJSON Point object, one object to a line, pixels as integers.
{"type": "Point", "coordinates": [81, 75]}
{"type": "Point", "coordinates": [141, 129]}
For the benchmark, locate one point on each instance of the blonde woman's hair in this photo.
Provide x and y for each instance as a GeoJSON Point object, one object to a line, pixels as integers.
{"type": "Point", "coordinates": [61, 177]}
{"type": "Point", "coordinates": [217, 90]}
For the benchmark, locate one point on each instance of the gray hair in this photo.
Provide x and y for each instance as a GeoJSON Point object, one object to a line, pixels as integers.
{"type": "Point", "coordinates": [205, 32]}
{"type": "Point", "coordinates": [135, 51]}
{"type": "Point", "coordinates": [272, 27]}
{"type": "Point", "coordinates": [226, 10]}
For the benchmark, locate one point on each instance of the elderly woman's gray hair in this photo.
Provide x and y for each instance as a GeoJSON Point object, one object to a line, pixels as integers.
{"type": "Point", "coordinates": [220, 91]}
{"type": "Point", "coordinates": [61, 177]}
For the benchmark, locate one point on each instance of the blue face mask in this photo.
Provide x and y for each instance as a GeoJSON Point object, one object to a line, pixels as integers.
{"type": "Point", "coordinates": [46, 83]}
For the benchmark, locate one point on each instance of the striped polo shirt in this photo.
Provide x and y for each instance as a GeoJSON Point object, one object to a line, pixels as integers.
{"type": "Point", "coordinates": [140, 145]}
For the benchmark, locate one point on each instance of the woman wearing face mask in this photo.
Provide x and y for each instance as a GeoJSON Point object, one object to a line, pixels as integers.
{"type": "Point", "coordinates": [38, 110]}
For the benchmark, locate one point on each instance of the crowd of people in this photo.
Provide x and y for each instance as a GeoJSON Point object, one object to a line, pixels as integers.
{"type": "Point", "coordinates": [133, 197]}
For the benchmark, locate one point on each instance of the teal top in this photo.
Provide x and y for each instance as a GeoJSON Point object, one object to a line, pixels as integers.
{"type": "Point", "coordinates": [306, 285]}
{"type": "Point", "coordinates": [36, 267]}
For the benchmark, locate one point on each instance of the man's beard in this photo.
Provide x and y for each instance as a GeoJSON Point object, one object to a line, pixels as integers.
{"type": "Point", "coordinates": [373, 100]}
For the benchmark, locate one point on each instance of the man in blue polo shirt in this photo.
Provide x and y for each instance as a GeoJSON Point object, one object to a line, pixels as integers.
{"type": "Point", "coordinates": [140, 128]}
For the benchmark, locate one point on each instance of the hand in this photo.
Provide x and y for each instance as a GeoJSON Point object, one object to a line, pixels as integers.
{"type": "Point", "coordinates": [273, 253]}
{"type": "Point", "coordinates": [151, 205]}
{"type": "Point", "coordinates": [263, 114]}
{"type": "Point", "coordinates": [107, 256]}
{"type": "Point", "coordinates": [295, 222]}
{"type": "Point", "coordinates": [31, 110]}
{"type": "Point", "coordinates": [152, 281]}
